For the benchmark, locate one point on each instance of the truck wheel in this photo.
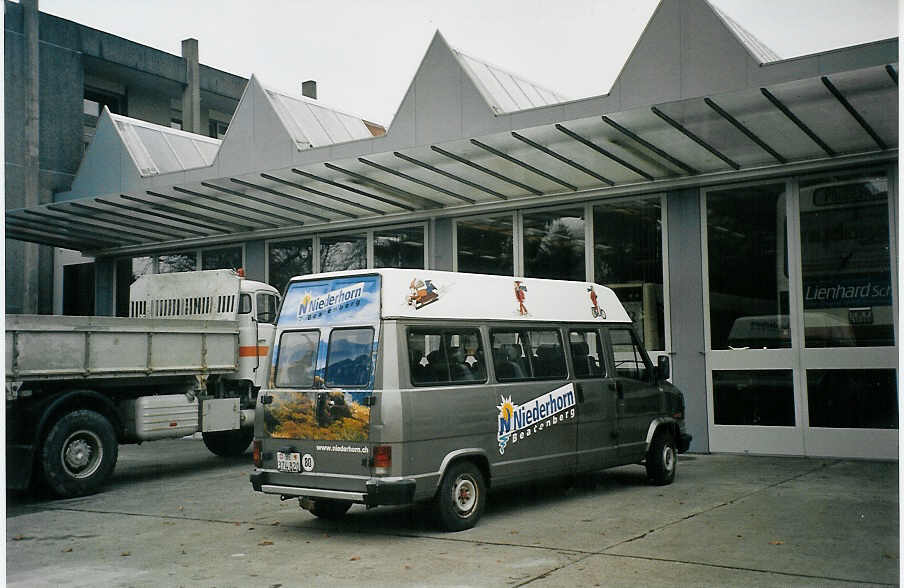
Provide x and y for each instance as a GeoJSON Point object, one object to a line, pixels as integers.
{"type": "Point", "coordinates": [228, 443]}
{"type": "Point", "coordinates": [662, 459]}
{"type": "Point", "coordinates": [79, 453]}
{"type": "Point", "coordinates": [330, 509]}
{"type": "Point", "coordinates": [462, 496]}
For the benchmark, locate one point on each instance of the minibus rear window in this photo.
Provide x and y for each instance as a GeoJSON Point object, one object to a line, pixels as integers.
{"type": "Point", "coordinates": [348, 360]}
{"type": "Point", "coordinates": [295, 362]}
{"type": "Point", "coordinates": [445, 357]}
{"type": "Point", "coordinates": [523, 354]}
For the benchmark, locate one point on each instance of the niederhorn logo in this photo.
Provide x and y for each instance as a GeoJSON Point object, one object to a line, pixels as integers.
{"type": "Point", "coordinates": [518, 421]}
{"type": "Point", "coordinates": [332, 299]}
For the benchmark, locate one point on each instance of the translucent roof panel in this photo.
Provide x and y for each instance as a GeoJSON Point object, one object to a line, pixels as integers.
{"type": "Point", "coordinates": [757, 48]}
{"type": "Point", "coordinates": [504, 91]}
{"type": "Point", "coordinates": [159, 150]}
{"type": "Point", "coordinates": [314, 125]}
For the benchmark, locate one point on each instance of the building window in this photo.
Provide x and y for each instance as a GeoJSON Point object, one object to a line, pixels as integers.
{"type": "Point", "coordinates": [753, 397]}
{"type": "Point", "coordinates": [217, 128]}
{"type": "Point", "coordinates": [93, 104]}
{"type": "Point", "coordinates": [748, 278]}
{"type": "Point", "coordinates": [343, 252]}
{"type": "Point", "coordinates": [485, 245]}
{"type": "Point", "coordinates": [846, 261]}
{"type": "Point", "coordinates": [627, 257]}
{"type": "Point", "coordinates": [225, 258]}
{"type": "Point", "coordinates": [402, 248]}
{"type": "Point", "coordinates": [287, 259]}
{"type": "Point", "coordinates": [177, 262]}
{"type": "Point", "coordinates": [852, 399]}
{"type": "Point", "coordinates": [554, 244]}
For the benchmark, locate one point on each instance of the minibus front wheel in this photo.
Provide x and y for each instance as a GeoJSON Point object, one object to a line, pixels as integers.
{"type": "Point", "coordinates": [461, 497]}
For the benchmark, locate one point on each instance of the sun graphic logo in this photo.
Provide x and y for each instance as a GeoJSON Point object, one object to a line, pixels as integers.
{"type": "Point", "coordinates": [305, 300]}
{"type": "Point", "coordinates": [506, 412]}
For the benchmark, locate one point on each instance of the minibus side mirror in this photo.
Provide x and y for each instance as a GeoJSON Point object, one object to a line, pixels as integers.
{"type": "Point", "coordinates": [663, 368]}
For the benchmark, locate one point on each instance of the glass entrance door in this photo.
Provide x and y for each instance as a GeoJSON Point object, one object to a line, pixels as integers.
{"type": "Point", "coordinates": [800, 317]}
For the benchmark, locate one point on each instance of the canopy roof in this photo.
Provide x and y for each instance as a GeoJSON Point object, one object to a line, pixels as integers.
{"type": "Point", "coordinates": [693, 105]}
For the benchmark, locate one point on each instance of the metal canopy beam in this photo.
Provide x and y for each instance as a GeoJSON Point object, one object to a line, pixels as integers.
{"type": "Point", "coordinates": [637, 139]}
{"type": "Point", "coordinates": [104, 223]}
{"type": "Point", "coordinates": [41, 228]}
{"type": "Point", "coordinates": [203, 220]}
{"type": "Point", "coordinates": [678, 127]}
{"type": "Point", "coordinates": [295, 199]}
{"type": "Point", "coordinates": [108, 234]}
{"type": "Point", "coordinates": [255, 199]}
{"type": "Point", "coordinates": [128, 221]}
{"type": "Point", "coordinates": [451, 176]}
{"type": "Point", "coordinates": [425, 202]}
{"type": "Point", "coordinates": [337, 185]}
{"type": "Point", "coordinates": [225, 202]}
{"type": "Point", "coordinates": [258, 223]}
{"type": "Point", "coordinates": [418, 181]}
{"type": "Point", "coordinates": [524, 164]}
{"type": "Point", "coordinates": [483, 169]}
{"type": "Point", "coordinates": [800, 124]}
{"type": "Point", "coordinates": [327, 195]}
{"type": "Point", "coordinates": [157, 214]}
{"type": "Point", "coordinates": [747, 132]}
{"type": "Point", "coordinates": [604, 152]}
{"type": "Point", "coordinates": [562, 158]}
{"type": "Point", "coordinates": [853, 112]}
{"type": "Point", "coordinates": [52, 239]}
{"type": "Point", "coordinates": [892, 73]}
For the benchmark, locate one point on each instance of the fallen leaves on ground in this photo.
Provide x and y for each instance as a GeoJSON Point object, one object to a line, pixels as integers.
{"type": "Point", "coordinates": [777, 542]}
{"type": "Point", "coordinates": [265, 542]}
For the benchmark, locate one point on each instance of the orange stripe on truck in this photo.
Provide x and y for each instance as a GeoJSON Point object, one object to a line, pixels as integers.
{"type": "Point", "coordinates": [253, 350]}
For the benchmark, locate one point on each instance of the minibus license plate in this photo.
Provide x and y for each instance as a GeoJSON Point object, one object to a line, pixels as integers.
{"type": "Point", "coordinates": [288, 462]}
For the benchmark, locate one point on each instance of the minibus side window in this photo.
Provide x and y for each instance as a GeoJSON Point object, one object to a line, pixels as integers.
{"type": "Point", "coordinates": [295, 362]}
{"type": "Point", "coordinates": [629, 359]}
{"type": "Point", "coordinates": [528, 354]}
{"type": "Point", "coordinates": [586, 353]}
{"type": "Point", "coordinates": [348, 359]}
{"type": "Point", "coordinates": [445, 356]}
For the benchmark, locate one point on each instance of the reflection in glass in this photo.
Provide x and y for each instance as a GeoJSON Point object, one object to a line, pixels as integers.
{"type": "Point", "coordinates": [343, 252]}
{"type": "Point", "coordinates": [226, 258]}
{"type": "Point", "coordinates": [348, 362]}
{"type": "Point", "coordinates": [844, 239]}
{"type": "Point", "coordinates": [288, 259]}
{"type": "Point", "coordinates": [295, 362]}
{"type": "Point", "coordinates": [399, 248]}
{"type": "Point", "coordinates": [177, 262]}
{"type": "Point", "coordinates": [485, 245]}
{"type": "Point", "coordinates": [554, 245]}
{"type": "Point", "coordinates": [627, 257]}
{"type": "Point", "coordinates": [852, 399]}
{"type": "Point", "coordinates": [748, 279]}
{"type": "Point", "coordinates": [753, 397]}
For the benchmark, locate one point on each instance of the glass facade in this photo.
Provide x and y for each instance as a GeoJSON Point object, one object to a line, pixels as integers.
{"type": "Point", "coordinates": [554, 244]}
{"type": "Point", "coordinates": [287, 259]}
{"type": "Point", "coordinates": [226, 258]}
{"type": "Point", "coordinates": [399, 248]}
{"type": "Point", "coordinates": [853, 399]}
{"type": "Point", "coordinates": [753, 397]}
{"type": "Point", "coordinates": [177, 262]}
{"type": "Point", "coordinates": [343, 252]}
{"type": "Point", "coordinates": [846, 261]}
{"type": "Point", "coordinates": [485, 245]}
{"type": "Point", "coordinates": [748, 277]}
{"type": "Point", "coordinates": [627, 257]}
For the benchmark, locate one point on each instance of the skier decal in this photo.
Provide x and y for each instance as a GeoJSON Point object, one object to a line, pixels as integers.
{"type": "Point", "coordinates": [595, 310]}
{"type": "Point", "coordinates": [422, 293]}
{"type": "Point", "coordinates": [520, 295]}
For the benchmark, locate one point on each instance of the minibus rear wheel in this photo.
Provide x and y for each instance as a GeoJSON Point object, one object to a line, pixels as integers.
{"type": "Point", "coordinates": [461, 497]}
{"type": "Point", "coordinates": [662, 458]}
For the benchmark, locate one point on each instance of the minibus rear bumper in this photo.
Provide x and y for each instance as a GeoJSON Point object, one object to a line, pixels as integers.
{"type": "Point", "coordinates": [377, 491]}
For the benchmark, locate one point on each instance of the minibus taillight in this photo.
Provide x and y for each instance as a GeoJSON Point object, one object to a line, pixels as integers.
{"type": "Point", "coordinates": [382, 459]}
{"type": "Point", "coordinates": [257, 453]}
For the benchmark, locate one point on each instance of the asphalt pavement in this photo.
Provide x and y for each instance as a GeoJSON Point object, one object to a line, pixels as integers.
{"type": "Point", "coordinates": [175, 515]}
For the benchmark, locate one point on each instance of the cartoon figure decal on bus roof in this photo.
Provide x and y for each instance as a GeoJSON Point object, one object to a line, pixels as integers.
{"type": "Point", "coordinates": [422, 293]}
{"type": "Point", "coordinates": [595, 310]}
{"type": "Point", "coordinates": [520, 296]}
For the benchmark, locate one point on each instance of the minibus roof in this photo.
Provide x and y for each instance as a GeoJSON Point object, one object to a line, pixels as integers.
{"type": "Point", "coordinates": [415, 293]}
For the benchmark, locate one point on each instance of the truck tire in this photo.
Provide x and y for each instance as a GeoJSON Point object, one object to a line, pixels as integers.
{"type": "Point", "coordinates": [461, 497]}
{"type": "Point", "coordinates": [228, 443]}
{"type": "Point", "coordinates": [79, 453]}
{"type": "Point", "coordinates": [330, 509]}
{"type": "Point", "coordinates": [662, 458]}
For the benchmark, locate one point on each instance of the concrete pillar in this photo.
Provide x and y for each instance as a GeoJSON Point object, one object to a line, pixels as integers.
{"type": "Point", "coordinates": [32, 163]}
{"type": "Point", "coordinates": [256, 260]}
{"type": "Point", "coordinates": [191, 95]}
{"type": "Point", "coordinates": [686, 303]}
{"type": "Point", "coordinates": [441, 244]}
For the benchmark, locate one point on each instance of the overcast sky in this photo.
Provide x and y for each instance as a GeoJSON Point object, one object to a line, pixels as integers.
{"type": "Point", "coordinates": [363, 53]}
